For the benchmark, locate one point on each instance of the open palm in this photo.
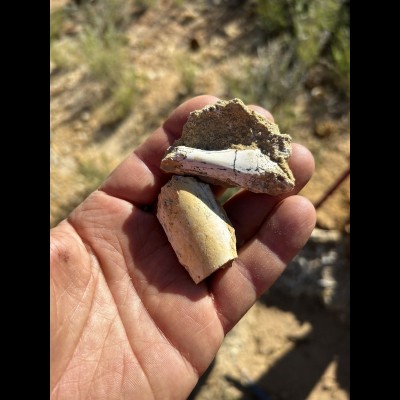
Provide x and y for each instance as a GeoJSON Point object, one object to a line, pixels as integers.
{"type": "Point", "coordinates": [126, 319]}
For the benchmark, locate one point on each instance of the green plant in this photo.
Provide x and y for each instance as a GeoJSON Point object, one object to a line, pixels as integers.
{"type": "Point", "coordinates": [188, 71]}
{"type": "Point", "coordinates": [93, 169]}
{"type": "Point", "coordinates": [105, 14]}
{"type": "Point", "coordinates": [64, 53]}
{"type": "Point", "coordinates": [316, 31]}
{"type": "Point", "coordinates": [103, 54]}
{"type": "Point", "coordinates": [102, 47]}
{"type": "Point", "coordinates": [145, 4]}
{"type": "Point", "coordinates": [269, 78]}
{"type": "Point", "coordinates": [62, 49]}
{"type": "Point", "coordinates": [314, 26]}
{"type": "Point", "coordinates": [57, 19]}
{"type": "Point", "coordinates": [108, 61]}
{"type": "Point", "coordinates": [340, 48]}
{"type": "Point", "coordinates": [274, 15]}
{"type": "Point", "coordinates": [341, 56]}
{"type": "Point", "coordinates": [123, 95]}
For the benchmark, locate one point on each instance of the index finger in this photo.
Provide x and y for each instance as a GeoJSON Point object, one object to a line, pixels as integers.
{"type": "Point", "coordinates": [138, 179]}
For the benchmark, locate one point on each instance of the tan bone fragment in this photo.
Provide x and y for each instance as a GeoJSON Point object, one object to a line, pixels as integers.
{"type": "Point", "coordinates": [196, 226]}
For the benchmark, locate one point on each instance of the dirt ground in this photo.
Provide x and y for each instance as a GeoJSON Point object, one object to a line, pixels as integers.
{"type": "Point", "coordinates": [284, 348]}
{"type": "Point", "coordinates": [281, 349]}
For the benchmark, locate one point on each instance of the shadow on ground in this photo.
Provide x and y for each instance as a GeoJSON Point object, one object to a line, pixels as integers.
{"type": "Point", "coordinates": [303, 367]}
{"type": "Point", "coordinates": [297, 373]}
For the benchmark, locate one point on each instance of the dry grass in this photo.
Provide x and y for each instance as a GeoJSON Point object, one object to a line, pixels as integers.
{"type": "Point", "coordinates": [156, 64]}
{"type": "Point", "coordinates": [102, 46]}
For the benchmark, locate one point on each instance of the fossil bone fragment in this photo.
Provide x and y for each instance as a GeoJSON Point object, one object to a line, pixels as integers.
{"type": "Point", "coordinates": [230, 145]}
{"type": "Point", "coordinates": [247, 168]}
{"type": "Point", "coordinates": [196, 226]}
{"type": "Point", "coordinates": [226, 144]}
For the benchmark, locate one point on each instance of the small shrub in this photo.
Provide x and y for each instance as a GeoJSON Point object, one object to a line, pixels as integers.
{"type": "Point", "coordinates": [341, 56]}
{"type": "Point", "coordinates": [102, 47]}
{"type": "Point", "coordinates": [274, 15]}
{"type": "Point", "coordinates": [314, 25]}
{"type": "Point", "coordinates": [64, 53]}
{"type": "Point", "coordinates": [188, 71]}
{"type": "Point", "coordinates": [269, 79]}
{"type": "Point", "coordinates": [57, 19]}
{"type": "Point", "coordinates": [316, 30]}
{"type": "Point", "coordinates": [105, 55]}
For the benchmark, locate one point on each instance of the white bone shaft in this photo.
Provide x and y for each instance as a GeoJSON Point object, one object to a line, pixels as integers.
{"type": "Point", "coordinates": [248, 168]}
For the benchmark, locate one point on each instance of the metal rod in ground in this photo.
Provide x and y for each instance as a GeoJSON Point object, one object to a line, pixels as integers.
{"type": "Point", "coordinates": [332, 188]}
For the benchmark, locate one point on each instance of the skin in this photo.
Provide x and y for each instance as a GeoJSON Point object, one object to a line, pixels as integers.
{"type": "Point", "coordinates": [126, 320]}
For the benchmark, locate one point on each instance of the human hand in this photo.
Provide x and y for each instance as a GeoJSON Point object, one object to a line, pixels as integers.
{"type": "Point", "coordinates": [126, 320]}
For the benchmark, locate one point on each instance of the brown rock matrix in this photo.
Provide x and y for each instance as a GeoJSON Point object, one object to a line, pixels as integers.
{"type": "Point", "coordinates": [231, 145]}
